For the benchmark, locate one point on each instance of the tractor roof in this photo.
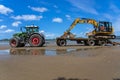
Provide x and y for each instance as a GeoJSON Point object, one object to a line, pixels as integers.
{"type": "Point", "coordinates": [31, 26]}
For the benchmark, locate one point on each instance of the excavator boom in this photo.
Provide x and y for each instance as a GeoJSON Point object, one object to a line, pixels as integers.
{"type": "Point", "coordinates": [82, 20]}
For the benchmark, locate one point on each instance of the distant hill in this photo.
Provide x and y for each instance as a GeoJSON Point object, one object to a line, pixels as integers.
{"type": "Point", "coordinates": [50, 39]}
{"type": "Point", "coordinates": [4, 39]}
{"type": "Point", "coordinates": [117, 37]}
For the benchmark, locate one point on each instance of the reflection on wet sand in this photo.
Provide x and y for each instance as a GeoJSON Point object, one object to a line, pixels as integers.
{"type": "Point", "coordinates": [49, 52]}
{"type": "Point", "coordinates": [37, 52]}
{"type": "Point", "coordinates": [27, 52]}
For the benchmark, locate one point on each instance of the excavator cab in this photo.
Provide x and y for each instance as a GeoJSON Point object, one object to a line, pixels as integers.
{"type": "Point", "coordinates": [104, 27]}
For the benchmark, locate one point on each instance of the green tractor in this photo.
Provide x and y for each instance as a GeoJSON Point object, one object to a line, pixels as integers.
{"type": "Point", "coordinates": [28, 35]}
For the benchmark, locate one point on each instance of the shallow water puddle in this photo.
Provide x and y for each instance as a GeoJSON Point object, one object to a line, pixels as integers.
{"type": "Point", "coordinates": [4, 52]}
{"type": "Point", "coordinates": [47, 52]}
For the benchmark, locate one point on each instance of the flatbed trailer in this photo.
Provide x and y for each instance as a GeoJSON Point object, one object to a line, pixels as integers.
{"type": "Point", "coordinates": [86, 41]}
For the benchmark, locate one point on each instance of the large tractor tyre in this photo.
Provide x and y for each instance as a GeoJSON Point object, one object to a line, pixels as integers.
{"type": "Point", "coordinates": [58, 42]}
{"type": "Point", "coordinates": [91, 42]}
{"type": "Point", "coordinates": [43, 41]}
{"type": "Point", "coordinates": [36, 40]}
{"type": "Point", "coordinates": [102, 43]}
{"type": "Point", "coordinates": [62, 42]}
{"type": "Point", "coordinates": [14, 42]}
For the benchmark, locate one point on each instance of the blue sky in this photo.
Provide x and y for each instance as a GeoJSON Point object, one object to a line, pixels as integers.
{"type": "Point", "coordinates": [55, 16]}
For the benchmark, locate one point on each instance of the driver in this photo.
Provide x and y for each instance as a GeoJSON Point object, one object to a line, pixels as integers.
{"type": "Point", "coordinates": [102, 28]}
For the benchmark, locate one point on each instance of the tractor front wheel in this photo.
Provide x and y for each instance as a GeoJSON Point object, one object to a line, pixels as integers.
{"type": "Point", "coordinates": [36, 40]}
{"type": "Point", "coordinates": [14, 42]}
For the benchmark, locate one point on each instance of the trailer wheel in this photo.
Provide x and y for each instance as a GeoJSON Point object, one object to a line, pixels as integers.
{"type": "Point", "coordinates": [86, 43]}
{"type": "Point", "coordinates": [91, 42]}
{"type": "Point", "coordinates": [14, 42]}
{"type": "Point", "coordinates": [113, 36]}
{"type": "Point", "coordinates": [102, 43]}
{"type": "Point", "coordinates": [62, 43]}
{"type": "Point", "coordinates": [79, 42]}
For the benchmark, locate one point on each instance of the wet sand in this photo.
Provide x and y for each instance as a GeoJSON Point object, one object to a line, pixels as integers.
{"type": "Point", "coordinates": [4, 47]}
{"type": "Point", "coordinates": [82, 63]}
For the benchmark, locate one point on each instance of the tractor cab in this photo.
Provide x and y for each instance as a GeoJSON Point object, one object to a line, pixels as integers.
{"type": "Point", "coordinates": [32, 29]}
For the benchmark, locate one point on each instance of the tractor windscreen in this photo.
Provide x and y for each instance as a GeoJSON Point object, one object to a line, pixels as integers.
{"type": "Point", "coordinates": [36, 29]}
{"type": "Point", "coordinates": [32, 29]}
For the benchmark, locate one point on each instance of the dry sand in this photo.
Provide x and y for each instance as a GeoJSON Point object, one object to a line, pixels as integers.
{"type": "Point", "coordinates": [85, 63]}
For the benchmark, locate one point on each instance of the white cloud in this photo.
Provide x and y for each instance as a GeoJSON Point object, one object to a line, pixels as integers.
{"type": "Point", "coordinates": [85, 5]}
{"type": "Point", "coordinates": [48, 35]}
{"type": "Point", "coordinates": [38, 9]}
{"type": "Point", "coordinates": [42, 31]}
{"type": "Point", "coordinates": [9, 31]}
{"type": "Point", "coordinates": [3, 26]}
{"type": "Point", "coordinates": [6, 31]}
{"type": "Point", "coordinates": [16, 23]}
{"type": "Point", "coordinates": [27, 17]}
{"type": "Point", "coordinates": [68, 17]}
{"type": "Point", "coordinates": [58, 20]}
{"type": "Point", "coordinates": [5, 10]}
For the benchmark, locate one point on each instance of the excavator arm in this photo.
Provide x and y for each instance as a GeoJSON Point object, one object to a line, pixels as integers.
{"type": "Point", "coordinates": [81, 21]}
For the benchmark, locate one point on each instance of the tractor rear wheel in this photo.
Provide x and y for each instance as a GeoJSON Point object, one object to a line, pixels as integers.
{"type": "Point", "coordinates": [36, 40]}
{"type": "Point", "coordinates": [14, 42]}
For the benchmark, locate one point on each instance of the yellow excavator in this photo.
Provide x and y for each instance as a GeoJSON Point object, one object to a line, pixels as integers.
{"type": "Point", "coordinates": [103, 31]}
